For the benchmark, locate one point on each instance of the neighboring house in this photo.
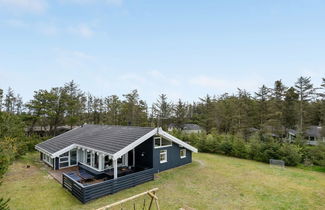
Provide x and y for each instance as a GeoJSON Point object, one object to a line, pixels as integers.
{"type": "Point", "coordinates": [291, 134]}
{"type": "Point", "coordinates": [187, 128]}
{"type": "Point", "coordinates": [314, 135]}
{"type": "Point", "coordinates": [45, 130]}
{"type": "Point", "coordinates": [192, 128]}
{"type": "Point", "coordinates": [112, 158]}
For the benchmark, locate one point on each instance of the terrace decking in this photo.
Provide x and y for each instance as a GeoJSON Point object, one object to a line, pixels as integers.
{"type": "Point", "coordinates": [57, 174]}
{"type": "Point", "coordinates": [89, 191]}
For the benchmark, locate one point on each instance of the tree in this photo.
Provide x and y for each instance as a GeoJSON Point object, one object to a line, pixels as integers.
{"type": "Point", "coordinates": [162, 110]}
{"type": "Point", "coordinates": [1, 99]}
{"type": "Point", "coordinates": [134, 110]}
{"type": "Point", "coordinates": [19, 104]}
{"type": "Point", "coordinates": [290, 114]}
{"type": "Point", "coordinates": [180, 110]}
{"type": "Point", "coordinates": [276, 107]}
{"type": "Point", "coordinates": [262, 96]}
{"type": "Point", "coordinates": [206, 113]}
{"type": "Point", "coordinates": [305, 90]}
{"type": "Point", "coordinates": [113, 110]}
{"type": "Point", "coordinates": [75, 100]}
{"type": "Point", "coordinates": [322, 102]}
{"type": "Point", "coordinates": [50, 106]}
{"type": "Point", "coordinates": [10, 100]}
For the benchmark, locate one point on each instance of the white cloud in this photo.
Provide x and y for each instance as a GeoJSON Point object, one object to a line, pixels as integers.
{"type": "Point", "coordinates": [21, 6]}
{"type": "Point", "coordinates": [82, 30]}
{"type": "Point", "coordinates": [87, 2]}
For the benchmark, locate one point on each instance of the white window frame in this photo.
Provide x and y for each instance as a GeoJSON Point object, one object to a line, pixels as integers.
{"type": "Point", "coordinates": [157, 147]}
{"type": "Point", "coordinates": [68, 161]}
{"type": "Point", "coordinates": [47, 159]}
{"type": "Point", "coordinates": [180, 153]}
{"type": "Point", "coordinates": [163, 152]}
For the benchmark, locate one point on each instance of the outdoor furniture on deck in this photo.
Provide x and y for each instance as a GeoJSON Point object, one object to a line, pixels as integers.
{"type": "Point", "coordinates": [86, 176]}
{"type": "Point", "coordinates": [121, 172]}
{"type": "Point", "coordinates": [74, 176]}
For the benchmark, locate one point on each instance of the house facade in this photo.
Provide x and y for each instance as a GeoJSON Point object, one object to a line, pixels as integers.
{"type": "Point", "coordinates": [106, 153]}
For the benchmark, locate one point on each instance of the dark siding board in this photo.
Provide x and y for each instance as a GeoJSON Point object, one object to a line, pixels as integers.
{"type": "Point", "coordinates": [56, 163]}
{"type": "Point", "coordinates": [143, 154]}
{"type": "Point", "coordinates": [173, 157]}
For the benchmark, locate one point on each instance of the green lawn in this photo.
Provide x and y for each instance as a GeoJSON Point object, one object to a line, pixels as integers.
{"type": "Point", "coordinates": [210, 182]}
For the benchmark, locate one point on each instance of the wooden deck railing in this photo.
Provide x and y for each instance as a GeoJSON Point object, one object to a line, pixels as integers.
{"type": "Point", "coordinates": [86, 193]}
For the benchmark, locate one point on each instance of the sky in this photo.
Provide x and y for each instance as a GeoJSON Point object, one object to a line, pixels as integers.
{"type": "Point", "coordinates": [184, 48]}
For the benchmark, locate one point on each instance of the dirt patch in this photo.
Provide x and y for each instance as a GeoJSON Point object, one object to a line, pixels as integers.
{"type": "Point", "coordinates": [18, 171]}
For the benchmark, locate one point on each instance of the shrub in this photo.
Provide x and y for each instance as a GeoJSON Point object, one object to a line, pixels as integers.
{"type": "Point", "coordinates": [290, 154]}
{"type": "Point", "coordinates": [316, 154]}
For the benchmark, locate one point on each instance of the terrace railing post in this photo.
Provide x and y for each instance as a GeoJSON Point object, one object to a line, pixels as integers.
{"type": "Point", "coordinates": [115, 168]}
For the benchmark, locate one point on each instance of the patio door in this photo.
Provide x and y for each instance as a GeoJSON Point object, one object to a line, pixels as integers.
{"type": "Point", "coordinates": [73, 157]}
{"type": "Point", "coordinates": [68, 159]}
{"type": "Point", "coordinates": [64, 160]}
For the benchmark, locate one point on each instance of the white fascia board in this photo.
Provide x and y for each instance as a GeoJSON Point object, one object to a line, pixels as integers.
{"type": "Point", "coordinates": [176, 140]}
{"type": "Point", "coordinates": [134, 144]}
{"type": "Point", "coordinates": [43, 150]}
{"type": "Point", "coordinates": [73, 146]}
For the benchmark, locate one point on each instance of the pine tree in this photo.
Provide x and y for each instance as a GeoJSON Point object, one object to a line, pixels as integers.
{"type": "Point", "coordinates": [305, 90]}
{"type": "Point", "coordinates": [10, 100]}
{"type": "Point", "coordinates": [290, 112]}
{"type": "Point", "coordinates": [162, 110]}
{"type": "Point", "coordinates": [1, 99]}
{"type": "Point", "coordinates": [180, 113]}
{"type": "Point", "coordinates": [262, 97]}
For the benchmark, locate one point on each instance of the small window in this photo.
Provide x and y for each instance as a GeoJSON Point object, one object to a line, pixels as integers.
{"type": "Point", "coordinates": [163, 156]}
{"type": "Point", "coordinates": [165, 142]}
{"type": "Point", "coordinates": [157, 141]}
{"type": "Point", "coordinates": [160, 142]}
{"type": "Point", "coordinates": [182, 153]}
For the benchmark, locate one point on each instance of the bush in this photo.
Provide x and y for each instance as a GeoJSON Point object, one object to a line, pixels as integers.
{"type": "Point", "coordinates": [258, 147]}
{"type": "Point", "coordinates": [291, 154]}
{"type": "Point", "coordinates": [316, 154]}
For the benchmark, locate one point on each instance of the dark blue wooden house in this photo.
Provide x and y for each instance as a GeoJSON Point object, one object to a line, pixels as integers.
{"type": "Point", "coordinates": [111, 158]}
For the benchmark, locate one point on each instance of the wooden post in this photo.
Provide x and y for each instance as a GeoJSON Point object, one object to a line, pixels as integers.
{"type": "Point", "coordinates": [152, 192]}
{"type": "Point", "coordinates": [115, 168]}
{"type": "Point", "coordinates": [133, 157]}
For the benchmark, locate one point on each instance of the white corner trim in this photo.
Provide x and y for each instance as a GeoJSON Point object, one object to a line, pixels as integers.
{"type": "Point", "coordinates": [176, 140]}
{"type": "Point", "coordinates": [134, 144]}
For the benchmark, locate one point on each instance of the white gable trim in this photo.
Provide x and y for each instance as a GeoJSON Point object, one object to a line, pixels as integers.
{"type": "Point", "coordinates": [176, 140]}
{"type": "Point", "coordinates": [134, 144]}
{"type": "Point", "coordinates": [142, 139]}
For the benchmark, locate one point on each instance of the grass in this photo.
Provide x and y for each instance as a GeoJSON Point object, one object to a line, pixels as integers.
{"type": "Point", "coordinates": [210, 182]}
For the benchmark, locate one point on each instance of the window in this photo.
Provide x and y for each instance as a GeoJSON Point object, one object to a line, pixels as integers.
{"type": "Point", "coordinates": [108, 162]}
{"type": "Point", "coordinates": [160, 142]}
{"type": "Point", "coordinates": [88, 160]}
{"type": "Point", "coordinates": [163, 156]}
{"type": "Point", "coordinates": [182, 153]}
{"type": "Point", "coordinates": [47, 159]}
{"type": "Point", "coordinates": [73, 157]}
{"type": "Point", "coordinates": [64, 160]}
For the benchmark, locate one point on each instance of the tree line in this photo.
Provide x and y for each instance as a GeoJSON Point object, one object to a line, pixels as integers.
{"type": "Point", "coordinates": [279, 108]}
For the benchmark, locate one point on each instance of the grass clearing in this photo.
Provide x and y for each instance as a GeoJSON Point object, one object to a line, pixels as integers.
{"type": "Point", "coordinates": [210, 182]}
